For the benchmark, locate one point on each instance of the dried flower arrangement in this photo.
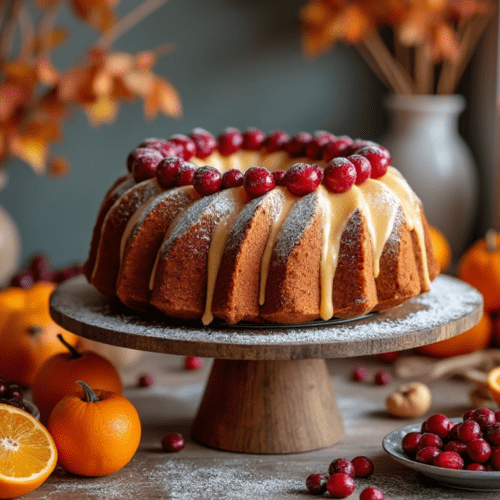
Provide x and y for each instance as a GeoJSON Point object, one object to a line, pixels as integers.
{"type": "Point", "coordinates": [36, 97]}
{"type": "Point", "coordinates": [426, 46]}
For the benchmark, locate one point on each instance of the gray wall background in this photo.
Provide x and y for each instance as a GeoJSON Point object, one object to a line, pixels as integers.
{"type": "Point", "coordinates": [238, 63]}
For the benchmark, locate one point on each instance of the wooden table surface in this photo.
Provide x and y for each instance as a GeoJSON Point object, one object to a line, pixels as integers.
{"type": "Point", "coordinates": [198, 472]}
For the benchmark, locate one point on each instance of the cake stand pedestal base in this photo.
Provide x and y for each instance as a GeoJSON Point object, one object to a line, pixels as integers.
{"type": "Point", "coordinates": [276, 406]}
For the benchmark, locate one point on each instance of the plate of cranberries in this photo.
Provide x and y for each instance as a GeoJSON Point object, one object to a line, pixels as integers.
{"type": "Point", "coordinates": [459, 452]}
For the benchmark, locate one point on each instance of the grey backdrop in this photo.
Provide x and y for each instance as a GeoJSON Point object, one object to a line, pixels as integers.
{"type": "Point", "coordinates": [238, 63]}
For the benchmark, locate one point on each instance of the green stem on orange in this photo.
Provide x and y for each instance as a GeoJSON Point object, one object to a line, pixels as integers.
{"type": "Point", "coordinates": [90, 396]}
{"type": "Point", "coordinates": [74, 353]}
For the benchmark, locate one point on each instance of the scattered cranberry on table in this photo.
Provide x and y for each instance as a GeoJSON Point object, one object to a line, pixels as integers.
{"type": "Point", "coordinates": [172, 443]}
{"type": "Point", "coordinates": [359, 373]}
{"type": "Point", "coordinates": [363, 466]}
{"type": "Point", "coordinates": [193, 363]}
{"type": "Point", "coordinates": [342, 465]}
{"type": "Point", "coordinates": [316, 484]}
{"type": "Point", "coordinates": [146, 380]}
{"type": "Point", "coordinates": [371, 493]}
{"type": "Point", "coordinates": [382, 378]}
{"type": "Point", "coordinates": [387, 357]}
{"type": "Point", "coordinates": [340, 485]}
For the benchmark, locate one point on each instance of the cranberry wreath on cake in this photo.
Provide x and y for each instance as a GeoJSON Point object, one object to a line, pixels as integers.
{"type": "Point", "coordinates": [249, 227]}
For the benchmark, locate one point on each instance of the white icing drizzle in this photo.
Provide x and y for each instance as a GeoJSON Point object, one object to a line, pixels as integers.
{"type": "Point", "coordinates": [280, 217]}
{"type": "Point", "coordinates": [217, 246]}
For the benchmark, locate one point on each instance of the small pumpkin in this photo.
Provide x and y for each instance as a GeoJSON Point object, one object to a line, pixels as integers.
{"type": "Point", "coordinates": [480, 267]}
{"type": "Point", "coordinates": [58, 376]}
{"type": "Point", "coordinates": [96, 432]}
{"type": "Point", "coordinates": [28, 335]}
{"type": "Point", "coordinates": [441, 248]}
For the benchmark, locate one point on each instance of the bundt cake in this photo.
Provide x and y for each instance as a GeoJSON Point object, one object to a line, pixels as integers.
{"type": "Point", "coordinates": [253, 228]}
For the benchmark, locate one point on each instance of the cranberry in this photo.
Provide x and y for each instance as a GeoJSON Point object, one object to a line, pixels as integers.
{"type": "Point", "coordinates": [492, 434]}
{"type": "Point", "coordinates": [230, 141]}
{"type": "Point", "coordinates": [453, 434]}
{"type": "Point", "coordinates": [387, 357]}
{"type": "Point", "coordinates": [359, 373]}
{"type": "Point", "coordinates": [297, 145]}
{"type": "Point", "coordinates": [302, 179]}
{"type": "Point", "coordinates": [340, 485]}
{"type": "Point", "coordinates": [24, 279]}
{"type": "Point", "coordinates": [186, 148]}
{"type": "Point", "coordinates": [382, 377]}
{"type": "Point", "coordinates": [257, 181]}
{"type": "Point", "coordinates": [167, 170]}
{"type": "Point", "coordinates": [410, 443]}
{"type": "Point", "coordinates": [439, 424]}
{"type": "Point", "coordinates": [363, 465]}
{"type": "Point", "coordinates": [340, 175]}
{"type": "Point", "coordinates": [449, 460]}
{"type": "Point", "coordinates": [279, 177]}
{"type": "Point", "coordinates": [342, 465]}
{"type": "Point", "coordinates": [166, 148]}
{"type": "Point", "coordinates": [276, 141]}
{"type": "Point", "coordinates": [41, 268]}
{"type": "Point", "coordinates": [458, 446]}
{"type": "Point", "coordinates": [185, 174]}
{"type": "Point", "coordinates": [133, 155]}
{"type": "Point", "coordinates": [427, 455]}
{"type": "Point", "coordinates": [204, 141]}
{"type": "Point", "coordinates": [429, 439]}
{"type": "Point", "coordinates": [336, 148]}
{"type": "Point", "coordinates": [207, 180]}
{"type": "Point", "coordinates": [379, 160]}
{"type": "Point", "coordinates": [476, 467]}
{"type": "Point", "coordinates": [497, 416]}
{"type": "Point", "coordinates": [484, 417]}
{"type": "Point", "coordinates": [321, 172]}
{"type": "Point", "coordinates": [358, 144]}
{"type": "Point", "coordinates": [172, 442]}
{"type": "Point", "coordinates": [193, 363]}
{"type": "Point", "coordinates": [15, 392]}
{"type": "Point", "coordinates": [495, 458]}
{"type": "Point", "coordinates": [146, 380]}
{"type": "Point", "coordinates": [232, 178]}
{"type": "Point", "coordinates": [423, 428]}
{"type": "Point", "coordinates": [479, 450]}
{"type": "Point", "coordinates": [488, 468]}
{"type": "Point", "coordinates": [144, 167]}
{"type": "Point", "coordinates": [253, 139]}
{"type": "Point", "coordinates": [314, 148]}
{"type": "Point", "coordinates": [467, 415]}
{"type": "Point", "coordinates": [4, 387]}
{"type": "Point", "coordinates": [316, 484]}
{"type": "Point", "coordinates": [468, 431]}
{"type": "Point", "coordinates": [371, 493]}
{"type": "Point", "coordinates": [363, 167]}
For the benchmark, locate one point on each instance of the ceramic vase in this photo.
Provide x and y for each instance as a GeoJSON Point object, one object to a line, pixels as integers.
{"type": "Point", "coordinates": [428, 150]}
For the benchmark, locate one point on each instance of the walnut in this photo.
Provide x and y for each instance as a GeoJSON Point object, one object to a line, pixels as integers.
{"type": "Point", "coordinates": [410, 400]}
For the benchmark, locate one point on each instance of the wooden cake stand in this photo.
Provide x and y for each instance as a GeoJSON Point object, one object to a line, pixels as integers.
{"type": "Point", "coordinates": [269, 390]}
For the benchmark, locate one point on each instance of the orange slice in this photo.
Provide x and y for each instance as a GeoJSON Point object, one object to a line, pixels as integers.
{"type": "Point", "coordinates": [494, 383]}
{"type": "Point", "coordinates": [28, 454]}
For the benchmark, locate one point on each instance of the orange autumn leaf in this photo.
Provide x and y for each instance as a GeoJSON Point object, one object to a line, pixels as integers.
{"type": "Point", "coordinates": [31, 150]}
{"type": "Point", "coordinates": [98, 13]}
{"type": "Point", "coordinates": [103, 110]}
{"type": "Point", "coordinates": [21, 72]}
{"type": "Point", "coordinates": [46, 72]}
{"type": "Point", "coordinates": [52, 39]}
{"type": "Point", "coordinates": [58, 166]}
{"type": "Point", "coordinates": [162, 97]}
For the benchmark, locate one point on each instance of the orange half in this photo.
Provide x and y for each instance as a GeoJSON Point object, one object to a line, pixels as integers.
{"type": "Point", "coordinates": [28, 453]}
{"type": "Point", "coordinates": [494, 384]}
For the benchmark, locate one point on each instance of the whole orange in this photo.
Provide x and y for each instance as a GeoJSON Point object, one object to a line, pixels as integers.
{"type": "Point", "coordinates": [480, 267]}
{"type": "Point", "coordinates": [58, 376]}
{"type": "Point", "coordinates": [478, 337]}
{"type": "Point", "coordinates": [28, 335]}
{"type": "Point", "coordinates": [441, 247]}
{"type": "Point", "coordinates": [96, 432]}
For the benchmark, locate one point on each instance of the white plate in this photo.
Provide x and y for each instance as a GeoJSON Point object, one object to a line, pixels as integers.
{"type": "Point", "coordinates": [463, 479]}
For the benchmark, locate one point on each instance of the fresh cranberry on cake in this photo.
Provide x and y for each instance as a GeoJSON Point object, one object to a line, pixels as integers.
{"type": "Point", "coordinates": [238, 229]}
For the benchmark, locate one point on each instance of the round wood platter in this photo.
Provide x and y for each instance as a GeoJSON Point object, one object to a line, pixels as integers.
{"type": "Point", "coordinates": [450, 308]}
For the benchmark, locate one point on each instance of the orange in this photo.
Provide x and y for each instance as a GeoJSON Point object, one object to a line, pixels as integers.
{"type": "Point", "coordinates": [96, 432]}
{"type": "Point", "coordinates": [28, 454]}
{"type": "Point", "coordinates": [441, 248]}
{"type": "Point", "coordinates": [494, 384]}
{"type": "Point", "coordinates": [478, 337]}
{"type": "Point", "coordinates": [58, 376]}
{"type": "Point", "coordinates": [28, 335]}
{"type": "Point", "coordinates": [480, 267]}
